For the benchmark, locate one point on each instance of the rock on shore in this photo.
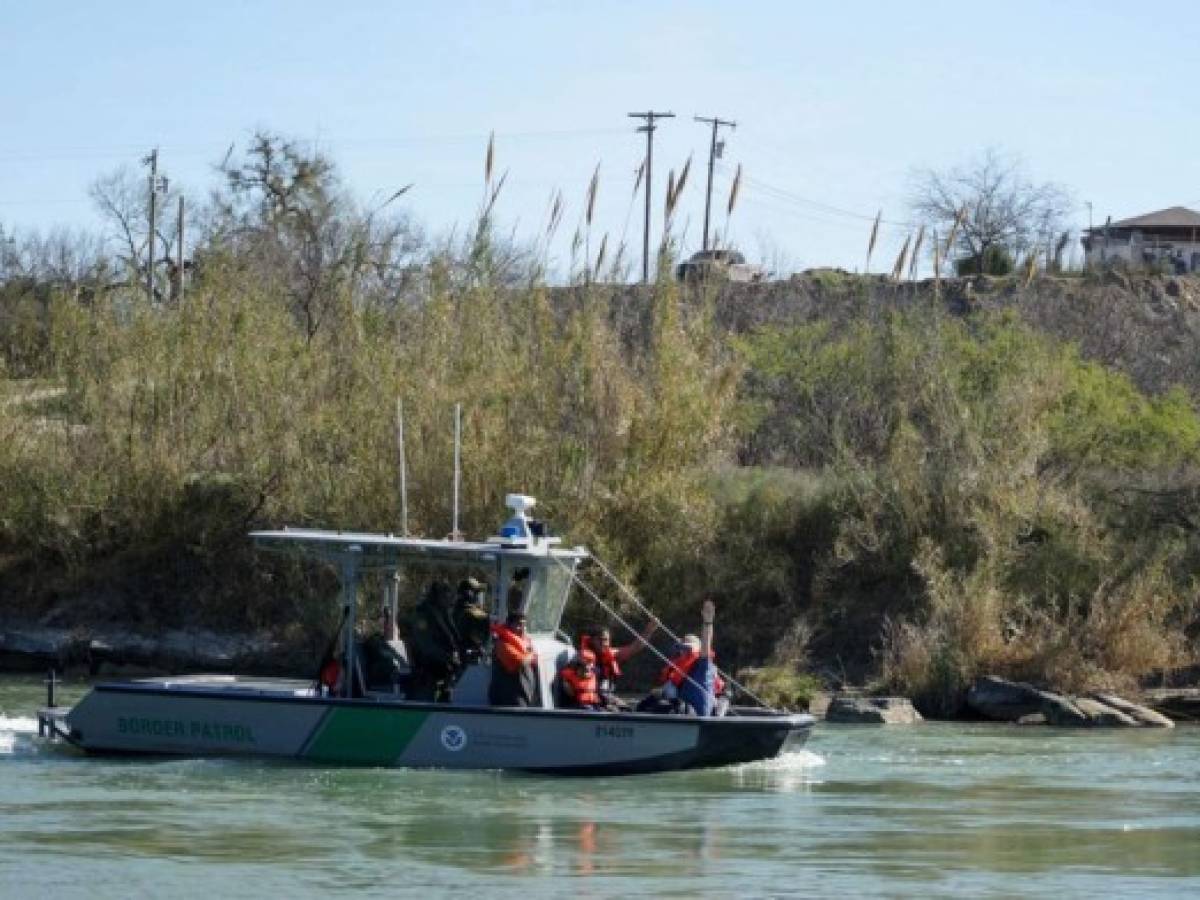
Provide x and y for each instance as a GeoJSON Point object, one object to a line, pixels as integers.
{"type": "Point", "coordinates": [872, 711]}
{"type": "Point", "coordinates": [1016, 701]}
{"type": "Point", "coordinates": [1180, 704]}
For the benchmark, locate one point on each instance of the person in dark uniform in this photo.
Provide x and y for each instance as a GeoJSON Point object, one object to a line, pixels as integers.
{"type": "Point", "coordinates": [471, 619]}
{"type": "Point", "coordinates": [517, 590]}
{"type": "Point", "coordinates": [433, 643]}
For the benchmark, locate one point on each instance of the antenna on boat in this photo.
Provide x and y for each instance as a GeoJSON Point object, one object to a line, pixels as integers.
{"type": "Point", "coordinates": [454, 535]}
{"type": "Point", "coordinates": [403, 468]}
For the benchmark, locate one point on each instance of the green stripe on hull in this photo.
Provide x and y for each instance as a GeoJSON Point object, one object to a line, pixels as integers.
{"type": "Point", "coordinates": [353, 734]}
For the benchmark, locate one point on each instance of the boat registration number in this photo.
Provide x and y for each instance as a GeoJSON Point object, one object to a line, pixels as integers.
{"type": "Point", "coordinates": [614, 731]}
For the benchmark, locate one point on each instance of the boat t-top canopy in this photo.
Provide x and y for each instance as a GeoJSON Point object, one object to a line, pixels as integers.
{"type": "Point", "coordinates": [389, 552]}
{"type": "Point", "coordinates": [522, 555]}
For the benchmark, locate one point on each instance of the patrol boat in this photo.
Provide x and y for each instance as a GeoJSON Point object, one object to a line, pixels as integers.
{"type": "Point", "coordinates": [361, 723]}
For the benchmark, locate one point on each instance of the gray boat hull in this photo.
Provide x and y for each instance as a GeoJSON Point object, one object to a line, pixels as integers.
{"type": "Point", "coordinates": [286, 720]}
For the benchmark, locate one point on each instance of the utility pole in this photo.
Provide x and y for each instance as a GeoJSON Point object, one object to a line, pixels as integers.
{"type": "Point", "coordinates": [179, 252]}
{"type": "Point", "coordinates": [152, 162]}
{"type": "Point", "coordinates": [648, 128]}
{"type": "Point", "coordinates": [714, 150]}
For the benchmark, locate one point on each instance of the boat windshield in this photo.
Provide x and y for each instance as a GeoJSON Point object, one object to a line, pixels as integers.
{"type": "Point", "coordinates": [548, 592]}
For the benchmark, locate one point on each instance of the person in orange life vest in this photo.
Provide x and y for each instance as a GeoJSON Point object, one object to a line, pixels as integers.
{"type": "Point", "coordinates": [598, 640]}
{"type": "Point", "coordinates": [514, 664]}
{"type": "Point", "coordinates": [579, 681]}
{"type": "Point", "coordinates": [330, 678]}
{"type": "Point", "coordinates": [680, 664]}
{"type": "Point", "coordinates": [691, 674]}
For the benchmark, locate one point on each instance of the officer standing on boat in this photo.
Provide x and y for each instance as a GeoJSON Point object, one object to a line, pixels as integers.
{"type": "Point", "coordinates": [433, 641]}
{"type": "Point", "coordinates": [471, 619]}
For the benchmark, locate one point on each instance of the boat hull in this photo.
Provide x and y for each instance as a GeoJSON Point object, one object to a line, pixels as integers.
{"type": "Point", "coordinates": [189, 720]}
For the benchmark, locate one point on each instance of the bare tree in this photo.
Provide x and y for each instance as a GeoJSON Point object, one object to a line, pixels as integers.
{"type": "Point", "coordinates": [991, 206]}
{"type": "Point", "coordinates": [122, 198]}
{"type": "Point", "coordinates": [283, 210]}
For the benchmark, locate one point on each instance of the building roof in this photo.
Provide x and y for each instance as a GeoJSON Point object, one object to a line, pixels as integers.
{"type": "Point", "coordinates": [1174, 217]}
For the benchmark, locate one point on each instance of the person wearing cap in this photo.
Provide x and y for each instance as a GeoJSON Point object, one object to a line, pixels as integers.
{"type": "Point", "coordinates": [471, 619]}
{"type": "Point", "coordinates": [690, 676]}
{"type": "Point", "coordinates": [514, 664]}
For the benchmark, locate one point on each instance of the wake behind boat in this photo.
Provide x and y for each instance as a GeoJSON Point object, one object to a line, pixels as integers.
{"type": "Point", "coordinates": [362, 718]}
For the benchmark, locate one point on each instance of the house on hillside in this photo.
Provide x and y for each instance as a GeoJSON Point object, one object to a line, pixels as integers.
{"type": "Point", "coordinates": [1168, 239]}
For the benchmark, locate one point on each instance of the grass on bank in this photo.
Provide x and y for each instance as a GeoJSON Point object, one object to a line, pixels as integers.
{"type": "Point", "coordinates": [921, 498]}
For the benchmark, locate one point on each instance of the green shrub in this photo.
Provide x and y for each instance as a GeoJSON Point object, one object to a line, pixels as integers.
{"type": "Point", "coordinates": [996, 261]}
{"type": "Point", "coordinates": [780, 687]}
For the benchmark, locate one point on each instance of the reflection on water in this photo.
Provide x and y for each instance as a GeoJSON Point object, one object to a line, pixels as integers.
{"type": "Point", "coordinates": [936, 809]}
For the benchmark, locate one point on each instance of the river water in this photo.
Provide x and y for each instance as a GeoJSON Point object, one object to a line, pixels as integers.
{"type": "Point", "coordinates": [932, 810]}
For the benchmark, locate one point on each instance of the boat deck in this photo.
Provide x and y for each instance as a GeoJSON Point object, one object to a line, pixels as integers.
{"type": "Point", "coordinates": [275, 687]}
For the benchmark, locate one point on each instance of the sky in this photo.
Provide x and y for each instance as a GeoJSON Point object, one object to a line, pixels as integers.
{"type": "Point", "coordinates": [836, 105]}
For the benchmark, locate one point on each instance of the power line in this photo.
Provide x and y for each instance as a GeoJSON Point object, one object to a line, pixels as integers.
{"type": "Point", "coordinates": [793, 197]}
{"type": "Point", "coordinates": [97, 151]}
{"type": "Point", "coordinates": [779, 207]}
{"type": "Point", "coordinates": [40, 202]}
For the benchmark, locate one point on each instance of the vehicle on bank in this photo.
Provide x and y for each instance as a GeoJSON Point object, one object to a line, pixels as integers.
{"type": "Point", "coordinates": [719, 265]}
{"type": "Point", "coordinates": [363, 722]}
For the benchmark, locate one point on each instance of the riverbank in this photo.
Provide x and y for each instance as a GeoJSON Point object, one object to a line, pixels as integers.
{"type": "Point", "coordinates": [878, 482]}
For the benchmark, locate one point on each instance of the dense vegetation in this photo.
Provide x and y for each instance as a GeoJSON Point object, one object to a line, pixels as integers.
{"type": "Point", "coordinates": [890, 492]}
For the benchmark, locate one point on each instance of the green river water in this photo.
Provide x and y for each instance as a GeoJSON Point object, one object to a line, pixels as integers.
{"type": "Point", "coordinates": [932, 810]}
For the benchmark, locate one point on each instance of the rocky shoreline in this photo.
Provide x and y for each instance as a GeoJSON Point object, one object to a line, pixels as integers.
{"type": "Point", "coordinates": [996, 699]}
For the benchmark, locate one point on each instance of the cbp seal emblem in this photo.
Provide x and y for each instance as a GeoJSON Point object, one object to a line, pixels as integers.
{"type": "Point", "coordinates": [454, 738]}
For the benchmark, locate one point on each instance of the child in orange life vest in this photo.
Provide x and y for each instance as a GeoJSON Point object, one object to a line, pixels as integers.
{"type": "Point", "coordinates": [580, 682]}
{"type": "Point", "coordinates": [598, 641]}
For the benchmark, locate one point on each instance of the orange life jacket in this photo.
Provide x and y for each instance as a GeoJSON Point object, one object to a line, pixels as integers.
{"type": "Point", "coordinates": [330, 673]}
{"type": "Point", "coordinates": [512, 650]}
{"type": "Point", "coordinates": [584, 689]}
{"type": "Point", "coordinates": [606, 659]}
{"type": "Point", "coordinates": [680, 667]}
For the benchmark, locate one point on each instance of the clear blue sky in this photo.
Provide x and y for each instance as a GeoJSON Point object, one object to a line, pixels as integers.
{"type": "Point", "coordinates": [835, 103]}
